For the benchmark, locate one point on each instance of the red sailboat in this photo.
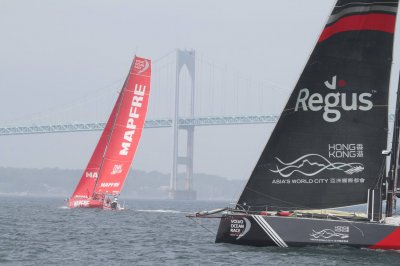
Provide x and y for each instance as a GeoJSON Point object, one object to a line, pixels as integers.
{"type": "Point", "coordinates": [105, 174]}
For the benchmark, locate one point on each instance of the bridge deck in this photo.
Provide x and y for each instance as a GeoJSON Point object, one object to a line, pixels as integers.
{"type": "Point", "coordinates": [151, 123]}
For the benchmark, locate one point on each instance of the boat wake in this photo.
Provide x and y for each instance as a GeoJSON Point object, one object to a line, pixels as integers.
{"type": "Point", "coordinates": [312, 164]}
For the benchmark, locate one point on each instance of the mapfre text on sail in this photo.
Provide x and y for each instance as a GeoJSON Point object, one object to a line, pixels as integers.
{"type": "Point", "coordinates": [136, 104]}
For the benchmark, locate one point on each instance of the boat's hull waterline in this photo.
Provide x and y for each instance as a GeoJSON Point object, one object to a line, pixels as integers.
{"type": "Point", "coordinates": [86, 203]}
{"type": "Point", "coordinates": [94, 204]}
{"type": "Point", "coordinates": [260, 230]}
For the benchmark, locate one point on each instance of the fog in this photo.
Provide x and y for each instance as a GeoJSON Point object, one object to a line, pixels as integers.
{"type": "Point", "coordinates": [55, 54]}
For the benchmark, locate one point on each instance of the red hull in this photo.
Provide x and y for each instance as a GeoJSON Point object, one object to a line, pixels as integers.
{"type": "Point", "coordinates": [86, 203]}
{"type": "Point", "coordinates": [93, 204]}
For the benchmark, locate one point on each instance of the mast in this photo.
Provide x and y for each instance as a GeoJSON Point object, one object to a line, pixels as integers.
{"type": "Point", "coordinates": [120, 98]}
{"type": "Point", "coordinates": [88, 181]}
{"type": "Point", "coordinates": [394, 161]}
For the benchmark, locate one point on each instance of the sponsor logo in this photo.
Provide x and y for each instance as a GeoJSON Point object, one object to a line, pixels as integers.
{"type": "Point", "coordinates": [334, 102]}
{"type": "Point", "coordinates": [81, 197]}
{"type": "Point", "coordinates": [117, 169]}
{"type": "Point", "coordinates": [346, 150]}
{"type": "Point", "coordinates": [136, 104]}
{"type": "Point", "coordinates": [81, 203]}
{"type": "Point", "coordinates": [91, 174]}
{"type": "Point", "coordinates": [239, 227]}
{"type": "Point", "coordinates": [338, 234]}
{"type": "Point", "coordinates": [313, 164]}
{"type": "Point", "coordinates": [141, 65]}
{"type": "Point", "coordinates": [109, 185]}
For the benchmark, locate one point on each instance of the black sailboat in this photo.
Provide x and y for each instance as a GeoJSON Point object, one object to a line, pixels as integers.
{"type": "Point", "coordinates": [329, 147]}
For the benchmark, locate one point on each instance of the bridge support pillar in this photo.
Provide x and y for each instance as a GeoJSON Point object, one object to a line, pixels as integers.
{"type": "Point", "coordinates": [183, 58]}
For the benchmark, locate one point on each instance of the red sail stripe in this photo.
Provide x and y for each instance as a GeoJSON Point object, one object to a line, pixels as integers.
{"type": "Point", "coordinates": [392, 241]}
{"type": "Point", "coordinates": [376, 22]}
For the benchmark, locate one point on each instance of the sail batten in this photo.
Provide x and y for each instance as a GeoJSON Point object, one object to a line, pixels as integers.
{"type": "Point", "coordinates": [325, 150]}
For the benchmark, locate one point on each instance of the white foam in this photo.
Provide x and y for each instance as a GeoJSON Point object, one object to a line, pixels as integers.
{"type": "Point", "coordinates": [394, 220]}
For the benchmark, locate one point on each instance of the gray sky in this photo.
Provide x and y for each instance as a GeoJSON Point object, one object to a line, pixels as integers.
{"type": "Point", "coordinates": [56, 53]}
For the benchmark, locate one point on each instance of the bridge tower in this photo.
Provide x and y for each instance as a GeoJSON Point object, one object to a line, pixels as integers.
{"type": "Point", "coordinates": [183, 58]}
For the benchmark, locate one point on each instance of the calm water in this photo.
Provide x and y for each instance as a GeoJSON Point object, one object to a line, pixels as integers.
{"type": "Point", "coordinates": [39, 231]}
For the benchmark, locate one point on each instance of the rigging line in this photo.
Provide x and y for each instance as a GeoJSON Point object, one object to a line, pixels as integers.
{"type": "Point", "coordinates": [62, 108]}
{"type": "Point", "coordinates": [155, 61]}
{"type": "Point", "coordinates": [366, 3]}
{"type": "Point", "coordinates": [209, 230]}
{"type": "Point", "coordinates": [224, 82]}
{"type": "Point", "coordinates": [382, 173]}
{"type": "Point", "coordinates": [121, 98]}
{"type": "Point", "coordinates": [238, 74]}
{"type": "Point", "coordinates": [160, 67]}
{"type": "Point", "coordinates": [351, 223]}
{"type": "Point", "coordinates": [271, 197]}
{"type": "Point", "coordinates": [198, 85]}
{"type": "Point", "coordinates": [395, 211]}
{"type": "Point", "coordinates": [202, 88]}
{"type": "Point", "coordinates": [212, 87]}
{"type": "Point", "coordinates": [236, 194]}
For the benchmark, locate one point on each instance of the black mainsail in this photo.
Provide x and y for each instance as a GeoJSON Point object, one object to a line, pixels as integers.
{"type": "Point", "coordinates": [325, 150]}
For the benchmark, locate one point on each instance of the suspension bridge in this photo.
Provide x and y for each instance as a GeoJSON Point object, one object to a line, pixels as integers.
{"type": "Point", "coordinates": [190, 91]}
{"type": "Point", "coordinates": [152, 123]}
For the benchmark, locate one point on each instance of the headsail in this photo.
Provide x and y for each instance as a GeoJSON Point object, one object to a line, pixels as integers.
{"type": "Point", "coordinates": [84, 189]}
{"type": "Point", "coordinates": [111, 160]}
{"type": "Point", "coordinates": [325, 150]}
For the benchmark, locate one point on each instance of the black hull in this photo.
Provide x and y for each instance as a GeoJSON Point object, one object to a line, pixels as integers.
{"type": "Point", "coordinates": [257, 230]}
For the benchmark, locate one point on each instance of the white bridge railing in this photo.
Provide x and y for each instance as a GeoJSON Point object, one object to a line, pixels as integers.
{"type": "Point", "coordinates": [151, 123]}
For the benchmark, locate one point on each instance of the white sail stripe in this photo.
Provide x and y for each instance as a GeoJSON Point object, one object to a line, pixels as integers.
{"type": "Point", "coordinates": [360, 10]}
{"type": "Point", "coordinates": [266, 231]}
{"type": "Point", "coordinates": [366, 3]}
{"type": "Point", "coordinates": [274, 232]}
{"type": "Point", "coordinates": [271, 233]}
